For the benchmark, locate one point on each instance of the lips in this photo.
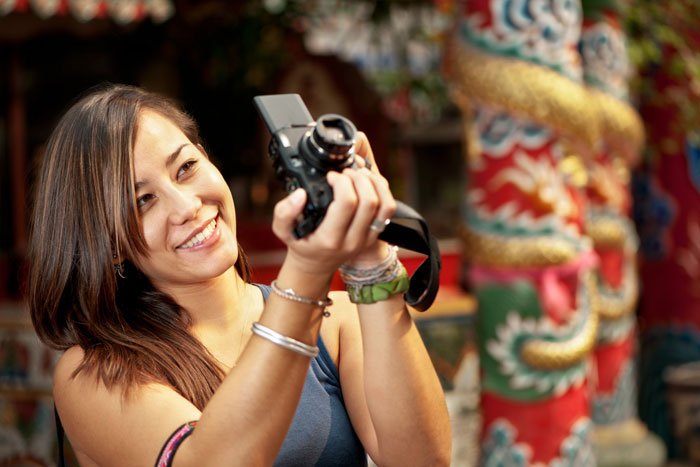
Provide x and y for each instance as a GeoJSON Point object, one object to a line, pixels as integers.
{"type": "Point", "coordinates": [199, 237]}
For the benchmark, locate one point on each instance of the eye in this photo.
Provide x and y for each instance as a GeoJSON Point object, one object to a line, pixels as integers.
{"type": "Point", "coordinates": [143, 200]}
{"type": "Point", "coordinates": [186, 168]}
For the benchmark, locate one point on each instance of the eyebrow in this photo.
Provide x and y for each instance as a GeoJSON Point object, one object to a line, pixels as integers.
{"type": "Point", "coordinates": [168, 162]}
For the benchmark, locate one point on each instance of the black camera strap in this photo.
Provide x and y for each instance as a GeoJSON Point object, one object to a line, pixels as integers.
{"type": "Point", "coordinates": [409, 230]}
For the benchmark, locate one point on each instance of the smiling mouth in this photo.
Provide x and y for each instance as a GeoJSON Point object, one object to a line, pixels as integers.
{"type": "Point", "coordinates": [200, 237]}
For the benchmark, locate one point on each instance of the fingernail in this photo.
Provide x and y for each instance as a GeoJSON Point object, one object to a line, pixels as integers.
{"type": "Point", "coordinates": [297, 197]}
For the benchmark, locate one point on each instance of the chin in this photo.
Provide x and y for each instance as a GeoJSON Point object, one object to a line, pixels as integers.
{"type": "Point", "coordinates": [219, 266]}
{"type": "Point", "coordinates": [203, 275]}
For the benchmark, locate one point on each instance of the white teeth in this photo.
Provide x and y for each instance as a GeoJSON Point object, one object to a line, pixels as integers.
{"type": "Point", "coordinates": [200, 237]}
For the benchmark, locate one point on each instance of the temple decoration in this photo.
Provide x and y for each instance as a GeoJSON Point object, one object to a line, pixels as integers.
{"type": "Point", "coordinates": [613, 400]}
{"type": "Point", "coordinates": [121, 11]}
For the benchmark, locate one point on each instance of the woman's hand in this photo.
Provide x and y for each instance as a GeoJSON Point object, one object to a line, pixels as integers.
{"type": "Point", "coordinates": [360, 196]}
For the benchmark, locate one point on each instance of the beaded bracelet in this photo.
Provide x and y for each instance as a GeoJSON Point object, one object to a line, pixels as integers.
{"type": "Point", "coordinates": [283, 341]}
{"type": "Point", "coordinates": [290, 294]}
{"type": "Point", "coordinates": [372, 293]}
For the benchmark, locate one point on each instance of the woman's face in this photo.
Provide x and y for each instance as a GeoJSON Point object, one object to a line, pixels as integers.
{"type": "Point", "coordinates": [186, 209]}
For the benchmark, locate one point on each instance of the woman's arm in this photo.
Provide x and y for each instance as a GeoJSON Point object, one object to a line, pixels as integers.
{"type": "Point", "coordinates": [390, 386]}
{"type": "Point", "coordinates": [253, 408]}
{"type": "Point", "coordinates": [244, 423]}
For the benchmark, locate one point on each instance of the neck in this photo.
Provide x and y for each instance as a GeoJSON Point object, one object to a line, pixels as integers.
{"type": "Point", "coordinates": [217, 302]}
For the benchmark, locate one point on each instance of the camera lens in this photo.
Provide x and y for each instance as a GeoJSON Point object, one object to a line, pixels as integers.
{"type": "Point", "coordinates": [332, 142]}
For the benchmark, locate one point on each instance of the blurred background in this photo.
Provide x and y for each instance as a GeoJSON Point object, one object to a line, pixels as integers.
{"type": "Point", "coordinates": [550, 145]}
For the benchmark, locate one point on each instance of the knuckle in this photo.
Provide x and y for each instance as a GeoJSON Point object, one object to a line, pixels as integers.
{"type": "Point", "coordinates": [371, 202]}
{"type": "Point", "coordinates": [332, 244]}
{"type": "Point", "coordinates": [348, 201]}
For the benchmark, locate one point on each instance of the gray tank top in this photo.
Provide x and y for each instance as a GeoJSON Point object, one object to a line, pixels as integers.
{"type": "Point", "coordinates": [321, 433]}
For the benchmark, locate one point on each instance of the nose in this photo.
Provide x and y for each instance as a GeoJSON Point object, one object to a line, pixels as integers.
{"type": "Point", "coordinates": [184, 205]}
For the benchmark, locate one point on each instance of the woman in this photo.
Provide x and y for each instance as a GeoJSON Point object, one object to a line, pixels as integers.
{"type": "Point", "coordinates": [171, 354]}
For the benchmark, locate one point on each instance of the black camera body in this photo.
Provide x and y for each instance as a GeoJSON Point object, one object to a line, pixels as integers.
{"type": "Point", "coordinates": [303, 151]}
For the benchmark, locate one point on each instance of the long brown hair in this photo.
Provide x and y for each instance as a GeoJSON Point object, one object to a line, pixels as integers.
{"type": "Point", "coordinates": [84, 216]}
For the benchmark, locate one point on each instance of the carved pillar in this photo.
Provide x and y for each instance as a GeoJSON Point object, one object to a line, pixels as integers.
{"type": "Point", "coordinates": [614, 396]}
{"type": "Point", "coordinates": [515, 71]}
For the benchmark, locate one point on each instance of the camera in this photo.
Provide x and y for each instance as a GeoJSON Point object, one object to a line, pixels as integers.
{"type": "Point", "coordinates": [303, 151]}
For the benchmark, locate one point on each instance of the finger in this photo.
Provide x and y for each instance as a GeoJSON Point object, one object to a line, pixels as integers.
{"type": "Point", "coordinates": [367, 206]}
{"type": "Point", "coordinates": [340, 211]}
{"type": "Point", "coordinates": [387, 203]}
{"type": "Point", "coordinates": [285, 214]}
{"type": "Point", "coordinates": [362, 163]}
{"type": "Point", "coordinates": [364, 150]}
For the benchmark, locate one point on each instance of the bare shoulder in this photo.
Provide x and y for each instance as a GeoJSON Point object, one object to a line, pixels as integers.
{"type": "Point", "coordinates": [66, 365]}
{"type": "Point", "coordinates": [101, 420]}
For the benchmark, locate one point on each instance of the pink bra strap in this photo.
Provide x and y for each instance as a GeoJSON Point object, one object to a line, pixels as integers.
{"type": "Point", "coordinates": [167, 452]}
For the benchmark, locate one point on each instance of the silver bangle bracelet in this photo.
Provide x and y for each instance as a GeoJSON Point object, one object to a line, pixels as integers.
{"type": "Point", "coordinates": [283, 341]}
{"type": "Point", "coordinates": [385, 271]}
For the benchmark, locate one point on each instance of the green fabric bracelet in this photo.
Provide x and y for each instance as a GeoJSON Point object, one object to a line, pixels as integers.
{"type": "Point", "coordinates": [372, 293]}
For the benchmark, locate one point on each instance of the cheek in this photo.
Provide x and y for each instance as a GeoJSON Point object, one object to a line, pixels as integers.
{"type": "Point", "coordinates": [217, 184]}
{"type": "Point", "coordinates": [150, 231]}
{"type": "Point", "coordinates": [215, 180]}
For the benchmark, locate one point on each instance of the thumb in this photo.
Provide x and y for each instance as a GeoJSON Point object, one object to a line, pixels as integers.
{"type": "Point", "coordinates": [286, 212]}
